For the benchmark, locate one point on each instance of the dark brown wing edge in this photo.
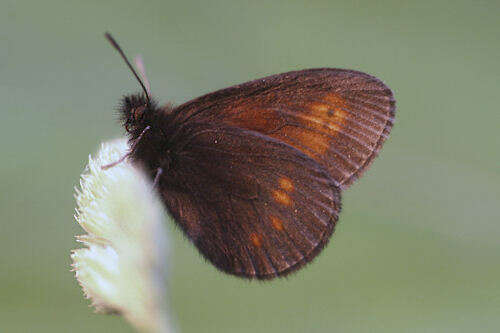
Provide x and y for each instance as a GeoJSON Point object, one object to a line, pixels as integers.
{"type": "Point", "coordinates": [384, 136]}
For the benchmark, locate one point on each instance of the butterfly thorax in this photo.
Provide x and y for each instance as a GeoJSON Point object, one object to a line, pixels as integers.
{"type": "Point", "coordinates": [136, 113]}
{"type": "Point", "coordinates": [147, 127]}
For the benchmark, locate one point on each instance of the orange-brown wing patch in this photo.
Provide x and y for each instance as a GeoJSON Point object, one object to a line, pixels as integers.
{"type": "Point", "coordinates": [329, 116]}
{"type": "Point", "coordinates": [277, 223]}
{"type": "Point", "coordinates": [262, 120]}
{"type": "Point", "coordinates": [282, 198]}
{"type": "Point", "coordinates": [256, 239]}
{"type": "Point", "coordinates": [286, 184]}
{"type": "Point", "coordinates": [315, 126]}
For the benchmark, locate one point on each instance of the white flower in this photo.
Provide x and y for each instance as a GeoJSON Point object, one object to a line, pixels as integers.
{"type": "Point", "coordinates": [122, 267]}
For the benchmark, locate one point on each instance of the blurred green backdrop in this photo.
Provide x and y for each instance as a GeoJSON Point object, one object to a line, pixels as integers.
{"type": "Point", "coordinates": [417, 248]}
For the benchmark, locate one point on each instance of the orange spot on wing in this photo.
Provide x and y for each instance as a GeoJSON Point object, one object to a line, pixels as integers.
{"type": "Point", "coordinates": [277, 223]}
{"type": "Point", "coordinates": [319, 107]}
{"type": "Point", "coordinates": [300, 138]}
{"type": "Point", "coordinates": [286, 184]}
{"type": "Point", "coordinates": [338, 104]}
{"type": "Point", "coordinates": [328, 116]}
{"type": "Point", "coordinates": [321, 121]}
{"type": "Point", "coordinates": [317, 142]}
{"type": "Point", "coordinates": [256, 239]}
{"type": "Point", "coordinates": [282, 197]}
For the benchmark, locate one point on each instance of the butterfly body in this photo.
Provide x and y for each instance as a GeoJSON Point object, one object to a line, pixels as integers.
{"type": "Point", "coordinates": [253, 173]}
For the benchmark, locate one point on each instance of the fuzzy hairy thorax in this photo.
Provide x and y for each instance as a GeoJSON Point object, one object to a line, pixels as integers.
{"type": "Point", "coordinates": [136, 114]}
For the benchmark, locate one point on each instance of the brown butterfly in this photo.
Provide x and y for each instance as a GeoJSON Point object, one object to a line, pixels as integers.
{"type": "Point", "coordinates": [253, 173]}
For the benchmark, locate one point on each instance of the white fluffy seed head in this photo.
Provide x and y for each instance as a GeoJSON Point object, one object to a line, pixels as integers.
{"type": "Point", "coordinates": [122, 269]}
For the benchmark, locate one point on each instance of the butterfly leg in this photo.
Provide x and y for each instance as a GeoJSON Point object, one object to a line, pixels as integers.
{"type": "Point", "coordinates": [112, 164]}
{"type": "Point", "coordinates": [124, 157]}
{"type": "Point", "coordinates": [159, 171]}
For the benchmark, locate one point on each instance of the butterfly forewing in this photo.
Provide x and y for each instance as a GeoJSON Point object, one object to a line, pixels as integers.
{"type": "Point", "coordinates": [339, 118]}
{"type": "Point", "coordinates": [253, 205]}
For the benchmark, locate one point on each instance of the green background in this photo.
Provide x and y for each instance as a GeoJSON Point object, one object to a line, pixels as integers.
{"type": "Point", "coordinates": [417, 248]}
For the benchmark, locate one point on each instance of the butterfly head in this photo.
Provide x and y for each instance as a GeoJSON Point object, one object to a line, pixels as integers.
{"type": "Point", "coordinates": [137, 112]}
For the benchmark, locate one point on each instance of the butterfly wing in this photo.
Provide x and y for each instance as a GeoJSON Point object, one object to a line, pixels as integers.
{"type": "Point", "coordinates": [340, 118]}
{"type": "Point", "coordinates": [254, 206]}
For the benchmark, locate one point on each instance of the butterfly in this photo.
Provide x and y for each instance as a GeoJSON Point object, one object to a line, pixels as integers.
{"type": "Point", "coordinates": [253, 173]}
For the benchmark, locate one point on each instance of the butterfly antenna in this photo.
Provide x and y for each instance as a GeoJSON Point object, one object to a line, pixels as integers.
{"type": "Point", "coordinates": [113, 42]}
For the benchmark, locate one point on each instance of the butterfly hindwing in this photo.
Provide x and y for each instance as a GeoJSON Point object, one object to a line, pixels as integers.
{"type": "Point", "coordinates": [339, 118]}
{"type": "Point", "coordinates": [254, 206]}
